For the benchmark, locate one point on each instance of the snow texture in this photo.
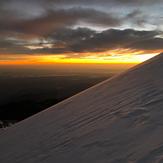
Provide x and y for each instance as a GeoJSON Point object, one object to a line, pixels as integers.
{"type": "Point", "coordinates": [117, 121]}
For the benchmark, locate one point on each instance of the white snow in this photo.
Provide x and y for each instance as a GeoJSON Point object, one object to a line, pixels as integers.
{"type": "Point", "coordinates": [117, 121]}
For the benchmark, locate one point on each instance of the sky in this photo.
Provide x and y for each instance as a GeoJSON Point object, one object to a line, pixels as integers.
{"type": "Point", "coordinates": [80, 31]}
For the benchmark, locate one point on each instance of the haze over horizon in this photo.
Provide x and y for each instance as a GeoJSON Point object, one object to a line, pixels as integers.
{"type": "Point", "coordinates": [78, 31]}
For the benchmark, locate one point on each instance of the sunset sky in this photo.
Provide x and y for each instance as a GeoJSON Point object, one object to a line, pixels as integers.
{"type": "Point", "coordinates": [80, 31]}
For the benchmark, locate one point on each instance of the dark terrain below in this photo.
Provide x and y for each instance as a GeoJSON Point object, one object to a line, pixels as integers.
{"type": "Point", "coordinates": [22, 97]}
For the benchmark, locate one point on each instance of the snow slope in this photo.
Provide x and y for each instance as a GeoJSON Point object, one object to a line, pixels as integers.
{"type": "Point", "coordinates": [117, 121]}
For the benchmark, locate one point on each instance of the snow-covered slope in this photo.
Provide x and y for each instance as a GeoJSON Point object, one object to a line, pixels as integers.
{"type": "Point", "coordinates": [117, 121]}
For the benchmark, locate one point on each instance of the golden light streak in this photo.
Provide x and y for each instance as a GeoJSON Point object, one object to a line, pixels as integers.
{"type": "Point", "coordinates": [120, 56]}
{"type": "Point", "coordinates": [115, 56]}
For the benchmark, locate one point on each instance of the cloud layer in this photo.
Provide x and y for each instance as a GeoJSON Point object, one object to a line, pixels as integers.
{"type": "Point", "coordinates": [81, 40]}
{"type": "Point", "coordinates": [52, 26]}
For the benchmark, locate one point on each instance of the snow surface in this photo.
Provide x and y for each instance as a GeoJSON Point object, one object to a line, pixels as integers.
{"type": "Point", "coordinates": [117, 121]}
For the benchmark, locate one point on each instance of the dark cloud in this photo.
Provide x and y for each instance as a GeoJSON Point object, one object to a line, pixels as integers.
{"type": "Point", "coordinates": [12, 47]}
{"type": "Point", "coordinates": [138, 1]}
{"type": "Point", "coordinates": [134, 14]}
{"type": "Point", "coordinates": [137, 17]}
{"type": "Point", "coordinates": [148, 44]}
{"type": "Point", "coordinates": [79, 40]}
{"type": "Point", "coordinates": [112, 39]}
{"type": "Point", "coordinates": [41, 17]}
{"type": "Point", "coordinates": [55, 19]}
{"type": "Point", "coordinates": [103, 1]}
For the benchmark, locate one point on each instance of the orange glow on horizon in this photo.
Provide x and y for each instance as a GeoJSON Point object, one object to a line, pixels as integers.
{"type": "Point", "coordinates": [111, 57]}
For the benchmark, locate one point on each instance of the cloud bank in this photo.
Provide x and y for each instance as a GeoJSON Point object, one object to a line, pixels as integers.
{"type": "Point", "coordinates": [55, 27]}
